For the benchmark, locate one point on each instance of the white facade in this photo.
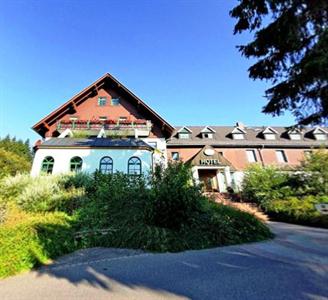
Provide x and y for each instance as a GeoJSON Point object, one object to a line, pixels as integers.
{"type": "Point", "coordinates": [91, 158]}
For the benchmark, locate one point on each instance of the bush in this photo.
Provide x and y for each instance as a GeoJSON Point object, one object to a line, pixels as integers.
{"type": "Point", "coordinates": [43, 193]}
{"type": "Point", "coordinates": [166, 213]}
{"type": "Point", "coordinates": [28, 240]}
{"type": "Point", "coordinates": [299, 210]}
{"type": "Point", "coordinates": [262, 184]}
{"type": "Point", "coordinates": [175, 199]}
{"type": "Point", "coordinates": [291, 196]}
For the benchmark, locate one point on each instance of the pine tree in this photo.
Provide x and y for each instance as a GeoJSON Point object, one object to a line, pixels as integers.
{"type": "Point", "coordinates": [291, 52]}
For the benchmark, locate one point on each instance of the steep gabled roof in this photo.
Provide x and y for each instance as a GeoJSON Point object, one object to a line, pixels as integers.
{"type": "Point", "coordinates": [43, 125]}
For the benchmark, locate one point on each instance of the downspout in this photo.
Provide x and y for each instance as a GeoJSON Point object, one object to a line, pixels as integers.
{"type": "Point", "coordinates": [260, 154]}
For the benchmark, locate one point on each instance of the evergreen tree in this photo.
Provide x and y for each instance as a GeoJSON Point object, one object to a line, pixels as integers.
{"type": "Point", "coordinates": [291, 52]}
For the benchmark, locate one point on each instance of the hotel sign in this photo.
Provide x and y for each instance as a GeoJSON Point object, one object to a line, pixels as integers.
{"type": "Point", "coordinates": [209, 162]}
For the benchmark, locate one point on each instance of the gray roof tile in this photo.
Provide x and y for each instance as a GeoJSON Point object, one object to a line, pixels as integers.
{"type": "Point", "coordinates": [222, 137]}
{"type": "Point", "coordinates": [94, 143]}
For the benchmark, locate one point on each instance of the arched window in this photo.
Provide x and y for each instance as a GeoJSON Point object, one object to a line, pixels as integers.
{"type": "Point", "coordinates": [106, 165]}
{"type": "Point", "coordinates": [47, 165]}
{"type": "Point", "coordinates": [134, 166]}
{"type": "Point", "coordinates": [76, 164]}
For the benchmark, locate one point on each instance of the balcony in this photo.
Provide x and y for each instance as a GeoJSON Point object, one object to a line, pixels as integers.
{"type": "Point", "coordinates": [110, 127]}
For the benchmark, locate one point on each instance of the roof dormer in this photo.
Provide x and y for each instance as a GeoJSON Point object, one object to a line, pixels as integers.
{"type": "Point", "coordinates": [294, 134]}
{"type": "Point", "coordinates": [207, 133]}
{"type": "Point", "coordinates": [184, 133]}
{"type": "Point", "coordinates": [269, 133]}
{"type": "Point", "coordinates": [319, 134]}
{"type": "Point", "coordinates": [238, 133]}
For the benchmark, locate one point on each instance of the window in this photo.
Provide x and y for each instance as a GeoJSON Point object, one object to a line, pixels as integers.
{"type": "Point", "coordinates": [251, 156]}
{"type": "Point", "coordinates": [281, 156]}
{"type": "Point", "coordinates": [270, 136]}
{"type": "Point", "coordinates": [102, 118]}
{"type": "Point", "coordinates": [207, 135]}
{"type": "Point", "coordinates": [102, 101]}
{"type": "Point", "coordinates": [238, 136]}
{"type": "Point", "coordinates": [106, 165]}
{"type": "Point", "coordinates": [134, 166]}
{"type": "Point", "coordinates": [175, 155]}
{"type": "Point", "coordinates": [76, 164]}
{"type": "Point", "coordinates": [320, 136]}
{"type": "Point", "coordinates": [122, 118]}
{"type": "Point", "coordinates": [183, 135]}
{"type": "Point", "coordinates": [115, 101]}
{"type": "Point", "coordinates": [295, 136]}
{"type": "Point", "coordinates": [47, 165]}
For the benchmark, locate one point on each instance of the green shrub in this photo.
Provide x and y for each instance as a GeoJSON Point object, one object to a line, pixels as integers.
{"type": "Point", "coordinates": [167, 213]}
{"type": "Point", "coordinates": [43, 193]}
{"type": "Point", "coordinates": [262, 184]}
{"type": "Point", "coordinates": [298, 210]}
{"type": "Point", "coordinates": [28, 240]}
{"type": "Point", "coordinates": [164, 214]}
{"type": "Point", "coordinates": [175, 199]}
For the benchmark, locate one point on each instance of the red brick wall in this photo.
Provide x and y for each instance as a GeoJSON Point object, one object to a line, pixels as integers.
{"type": "Point", "coordinates": [238, 158]}
{"type": "Point", "coordinates": [90, 109]}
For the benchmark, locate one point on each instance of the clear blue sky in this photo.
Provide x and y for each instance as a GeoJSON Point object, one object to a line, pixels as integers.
{"type": "Point", "coordinates": [178, 56]}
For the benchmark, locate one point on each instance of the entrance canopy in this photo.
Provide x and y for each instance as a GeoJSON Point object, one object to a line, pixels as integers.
{"type": "Point", "coordinates": [208, 157]}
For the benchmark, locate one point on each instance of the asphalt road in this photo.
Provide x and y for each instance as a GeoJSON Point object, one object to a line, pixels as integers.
{"type": "Point", "coordinates": [292, 266]}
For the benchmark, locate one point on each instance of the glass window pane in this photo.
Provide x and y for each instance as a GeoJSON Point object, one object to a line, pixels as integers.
{"type": "Point", "coordinates": [76, 164]}
{"type": "Point", "coordinates": [251, 156]}
{"type": "Point", "coordinates": [106, 165]}
{"type": "Point", "coordinates": [134, 166]}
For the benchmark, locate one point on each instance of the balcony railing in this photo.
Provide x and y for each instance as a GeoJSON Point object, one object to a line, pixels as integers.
{"type": "Point", "coordinates": [111, 127]}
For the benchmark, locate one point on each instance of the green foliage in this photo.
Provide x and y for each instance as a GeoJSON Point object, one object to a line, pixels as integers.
{"type": "Point", "coordinates": [11, 163]}
{"type": "Point", "coordinates": [174, 198]}
{"type": "Point", "coordinates": [18, 147]}
{"type": "Point", "coordinates": [290, 42]}
{"type": "Point", "coordinates": [291, 196]}
{"type": "Point", "coordinates": [164, 214]}
{"type": "Point", "coordinates": [44, 193]}
{"type": "Point", "coordinates": [29, 240]}
{"type": "Point", "coordinates": [42, 215]}
{"type": "Point", "coordinates": [299, 210]}
{"type": "Point", "coordinates": [262, 184]}
{"type": "Point", "coordinates": [15, 156]}
{"type": "Point", "coordinates": [316, 165]}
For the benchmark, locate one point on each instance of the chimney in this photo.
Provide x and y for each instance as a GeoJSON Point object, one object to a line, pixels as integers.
{"type": "Point", "coordinates": [240, 125]}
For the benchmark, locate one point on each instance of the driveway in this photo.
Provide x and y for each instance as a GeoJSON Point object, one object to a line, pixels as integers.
{"type": "Point", "coordinates": [292, 266]}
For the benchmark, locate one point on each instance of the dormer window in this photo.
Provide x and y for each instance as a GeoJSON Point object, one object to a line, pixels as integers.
{"type": "Point", "coordinates": [320, 134]}
{"type": "Point", "coordinates": [295, 134]}
{"type": "Point", "coordinates": [207, 133]}
{"type": "Point", "coordinates": [238, 133]}
{"type": "Point", "coordinates": [184, 133]}
{"type": "Point", "coordinates": [269, 133]}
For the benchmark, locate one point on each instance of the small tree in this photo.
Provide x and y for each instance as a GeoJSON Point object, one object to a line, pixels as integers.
{"type": "Point", "coordinates": [316, 167]}
{"type": "Point", "coordinates": [262, 184]}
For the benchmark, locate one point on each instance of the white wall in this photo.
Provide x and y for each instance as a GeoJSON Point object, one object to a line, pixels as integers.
{"type": "Point", "coordinates": [160, 153]}
{"type": "Point", "coordinates": [91, 159]}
